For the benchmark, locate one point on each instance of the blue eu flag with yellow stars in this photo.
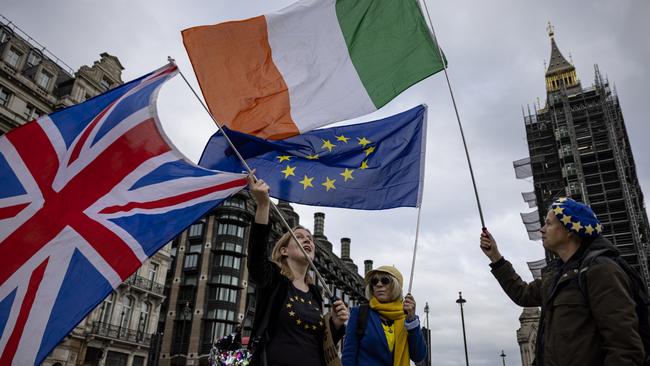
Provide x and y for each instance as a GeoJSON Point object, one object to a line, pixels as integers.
{"type": "Point", "coordinates": [369, 166]}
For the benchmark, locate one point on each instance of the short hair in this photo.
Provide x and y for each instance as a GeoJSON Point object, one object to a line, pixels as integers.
{"type": "Point", "coordinates": [394, 289]}
{"type": "Point", "coordinates": [281, 261]}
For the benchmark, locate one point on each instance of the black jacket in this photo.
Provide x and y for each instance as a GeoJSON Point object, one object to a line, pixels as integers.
{"type": "Point", "coordinates": [271, 290]}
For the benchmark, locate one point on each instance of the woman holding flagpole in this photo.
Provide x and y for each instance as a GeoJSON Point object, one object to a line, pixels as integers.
{"type": "Point", "coordinates": [289, 328]}
{"type": "Point", "coordinates": [385, 332]}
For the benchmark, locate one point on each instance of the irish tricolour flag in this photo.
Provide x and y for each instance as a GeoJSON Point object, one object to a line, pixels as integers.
{"type": "Point", "coordinates": [313, 63]}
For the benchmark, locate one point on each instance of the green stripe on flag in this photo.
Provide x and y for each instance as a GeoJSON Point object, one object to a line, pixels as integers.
{"type": "Point", "coordinates": [389, 43]}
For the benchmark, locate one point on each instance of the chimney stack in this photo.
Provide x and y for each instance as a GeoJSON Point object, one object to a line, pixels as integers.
{"type": "Point", "coordinates": [367, 266]}
{"type": "Point", "coordinates": [345, 250]}
{"type": "Point", "coordinates": [319, 224]}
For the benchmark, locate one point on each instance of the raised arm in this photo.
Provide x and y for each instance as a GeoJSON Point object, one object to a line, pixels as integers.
{"type": "Point", "coordinates": [519, 291]}
{"type": "Point", "coordinates": [260, 268]}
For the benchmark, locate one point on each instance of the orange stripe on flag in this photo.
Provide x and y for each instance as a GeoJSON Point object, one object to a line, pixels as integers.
{"type": "Point", "coordinates": [241, 85]}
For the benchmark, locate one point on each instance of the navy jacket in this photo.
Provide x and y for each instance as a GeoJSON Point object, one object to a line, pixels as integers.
{"type": "Point", "coordinates": [373, 350]}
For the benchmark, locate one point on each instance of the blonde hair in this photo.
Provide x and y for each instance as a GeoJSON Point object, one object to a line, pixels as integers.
{"type": "Point", "coordinates": [281, 261]}
{"type": "Point", "coordinates": [394, 289]}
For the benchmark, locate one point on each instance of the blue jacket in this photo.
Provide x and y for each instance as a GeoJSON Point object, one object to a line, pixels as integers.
{"type": "Point", "coordinates": [373, 350]}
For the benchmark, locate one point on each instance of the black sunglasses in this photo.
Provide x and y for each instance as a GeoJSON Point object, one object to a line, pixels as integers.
{"type": "Point", "coordinates": [384, 281]}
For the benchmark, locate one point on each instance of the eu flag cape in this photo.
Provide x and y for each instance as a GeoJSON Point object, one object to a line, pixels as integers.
{"type": "Point", "coordinates": [370, 166]}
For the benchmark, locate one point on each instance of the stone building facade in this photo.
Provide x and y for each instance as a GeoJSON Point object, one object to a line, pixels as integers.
{"type": "Point", "coordinates": [208, 289]}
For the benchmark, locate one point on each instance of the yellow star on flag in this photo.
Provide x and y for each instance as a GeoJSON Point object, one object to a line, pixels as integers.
{"type": "Point", "coordinates": [306, 326]}
{"type": "Point", "coordinates": [284, 158]}
{"type": "Point", "coordinates": [364, 165]}
{"type": "Point", "coordinates": [369, 150]}
{"type": "Point", "coordinates": [289, 171]}
{"type": "Point", "coordinates": [566, 219]}
{"type": "Point", "coordinates": [312, 157]}
{"type": "Point", "coordinates": [291, 313]}
{"type": "Point", "coordinates": [576, 226]}
{"type": "Point", "coordinates": [306, 182]}
{"type": "Point", "coordinates": [298, 321]}
{"type": "Point", "coordinates": [313, 327]}
{"type": "Point", "coordinates": [363, 141]}
{"type": "Point", "coordinates": [289, 306]}
{"type": "Point", "coordinates": [599, 228]}
{"type": "Point", "coordinates": [558, 210]}
{"type": "Point", "coordinates": [327, 145]}
{"type": "Point", "coordinates": [342, 138]}
{"type": "Point", "coordinates": [347, 174]}
{"type": "Point", "coordinates": [589, 229]}
{"type": "Point", "coordinates": [329, 184]}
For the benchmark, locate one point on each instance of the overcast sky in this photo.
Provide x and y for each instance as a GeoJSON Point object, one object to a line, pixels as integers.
{"type": "Point", "coordinates": [496, 52]}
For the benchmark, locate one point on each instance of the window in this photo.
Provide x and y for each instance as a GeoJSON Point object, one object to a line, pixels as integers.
{"type": "Point", "coordinates": [34, 58]}
{"type": "Point", "coordinates": [138, 361]}
{"type": "Point", "coordinates": [107, 307]}
{"type": "Point", "coordinates": [195, 248]}
{"type": "Point", "coordinates": [231, 247]}
{"type": "Point", "coordinates": [196, 230]}
{"type": "Point", "coordinates": [105, 83]}
{"type": "Point", "coordinates": [43, 79]}
{"type": "Point", "coordinates": [31, 112]}
{"type": "Point", "coordinates": [214, 330]}
{"type": "Point", "coordinates": [191, 261]}
{"type": "Point", "coordinates": [4, 35]}
{"type": "Point", "coordinates": [117, 358]}
{"type": "Point", "coordinates": [189, 280]}
{"type": "Point", "coordinates": [13, 57]}
{"type": "Point", "coordinates": [125, 315]}
{"type": "Point", "coordinates": [235, 202]}
{"type": "Point", "coordinates": [223, 294]}
{"type": "Point", "coordinates": [225, 280]}
{"type": "Point", "coordinates": [153, 271]}
{"type": "Point", "coordinates": [4, 96]}
{"type": "Point", "coordinates": [229, 261]}
{"type": "Point", "coordinates": [221, 314]}
{"type": "Point", "coordinates": [230, 229]}
{"type": "Point", "coordinates": [145, 311]}
{"type": "Point", "coordinates": [231, 216]}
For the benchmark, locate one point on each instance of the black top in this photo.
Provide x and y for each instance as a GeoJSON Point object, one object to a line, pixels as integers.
{"type": "Point", "coordinates": [273, 293]}
{"type": "Point", "coordinates": [298, 333]}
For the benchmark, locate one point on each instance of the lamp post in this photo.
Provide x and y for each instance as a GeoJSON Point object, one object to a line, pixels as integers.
{"type": "Point", "coordinates": [186, 314]}
{"type": "Point", "coordinates": [426, 311]}
{"type": "Point", "coordinates": [503, 357]}
{"type": "Point", "coordinates": [460, 302]}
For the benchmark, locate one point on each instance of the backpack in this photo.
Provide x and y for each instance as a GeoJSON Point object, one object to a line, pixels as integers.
{"type": "Point", "coordinates": [639, 292]}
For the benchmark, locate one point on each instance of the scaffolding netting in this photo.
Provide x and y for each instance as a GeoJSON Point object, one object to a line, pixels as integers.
{"type": "Point", "coordinates": [530, 198]}
{"type": "Point", "coordinates": [523, 169]}
{"type": "Point", "coordinates": [531, 221]}
{"type": "Point", "coordinates": [536, 268]}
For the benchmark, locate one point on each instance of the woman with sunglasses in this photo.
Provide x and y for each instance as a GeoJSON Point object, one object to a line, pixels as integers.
{"type": "Point", "coordinates": [390, 334]}
{"type": "Point", "coordinates": [289, 327]}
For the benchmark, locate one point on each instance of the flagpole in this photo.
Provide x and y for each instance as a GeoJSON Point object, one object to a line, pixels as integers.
{"type": "Point", "coordinates": [460, 125]}
{"type": "Point", "coordinates": [329, 293]}
{"type": "Point", "coordinates": [415, 248]}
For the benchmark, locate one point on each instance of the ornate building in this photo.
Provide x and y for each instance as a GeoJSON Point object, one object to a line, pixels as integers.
{"type": "Point", "coordinates": [579, 148]}
{"type": "Point", "coordinates": [34, 82]}
{"type": "Point", "coordinates": [208, 288]}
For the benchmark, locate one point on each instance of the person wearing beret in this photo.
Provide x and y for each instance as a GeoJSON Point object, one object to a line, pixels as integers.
{"type": "Point", "coordinates": [387, 331]}
{"type": "Point", "coordinates": [588, 314]}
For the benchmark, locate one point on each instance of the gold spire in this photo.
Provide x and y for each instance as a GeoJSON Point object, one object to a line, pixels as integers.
{"type": "Point", "coordinates": [560, 74]}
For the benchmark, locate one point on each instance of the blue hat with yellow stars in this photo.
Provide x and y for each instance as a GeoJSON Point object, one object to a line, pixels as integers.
{"type": "Point", "coordinates": [577, 217]}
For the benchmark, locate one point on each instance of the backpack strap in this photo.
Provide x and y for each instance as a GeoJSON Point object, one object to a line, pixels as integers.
{"type": "Point", "coordinates": [362, 323]}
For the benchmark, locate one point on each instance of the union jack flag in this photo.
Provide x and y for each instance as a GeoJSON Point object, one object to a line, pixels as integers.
{"type": "Point", "coordinates": [88, 193]}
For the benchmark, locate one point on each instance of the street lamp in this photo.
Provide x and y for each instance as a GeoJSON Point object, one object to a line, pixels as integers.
{"type": "Point", "coordinates": [426, 311]}
{"type": "Point", "coordinates": [186, 314]}
{"type": "Point", "coordinates": [503, 357]}
{"type": "Point", "coordinates": [460, 302]}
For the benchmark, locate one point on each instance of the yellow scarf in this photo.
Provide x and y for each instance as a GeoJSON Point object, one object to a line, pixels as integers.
{"type": "Point", "coordinates": [395, 311]}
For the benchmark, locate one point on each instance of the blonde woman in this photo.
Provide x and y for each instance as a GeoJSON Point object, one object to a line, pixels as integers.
{"type": "Point", "coordinates": [289, 328]}
{"type": "Point", "coordinates": [386, 332]}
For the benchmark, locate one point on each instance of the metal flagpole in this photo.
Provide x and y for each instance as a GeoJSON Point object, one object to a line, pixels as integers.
{"type": "Point", "coordinates": [415, 248]}
{"type": "Point", "coordinates": [460, 125]}
{"type": "Point", "coordinates": [329, 293]}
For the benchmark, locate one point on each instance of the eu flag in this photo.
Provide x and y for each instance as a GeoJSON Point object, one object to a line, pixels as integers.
{"type": "Point", "coordinates": [369, 166]}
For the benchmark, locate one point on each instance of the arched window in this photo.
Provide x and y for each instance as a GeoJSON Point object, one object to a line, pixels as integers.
{"type": "Point", "coordinates": [107, 308]}
{"type": "Point", "coordinates": [145, 311]}
{"type": "Point", "coordinates": [125, 316]}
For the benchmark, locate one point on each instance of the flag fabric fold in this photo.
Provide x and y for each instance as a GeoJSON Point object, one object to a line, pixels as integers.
{"type": "Point", "coordinates": [89, 193]}
{"type": "Point", "coordinates": [313, 63]}
{"type": "Point", "coordinates": [370, 166]}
